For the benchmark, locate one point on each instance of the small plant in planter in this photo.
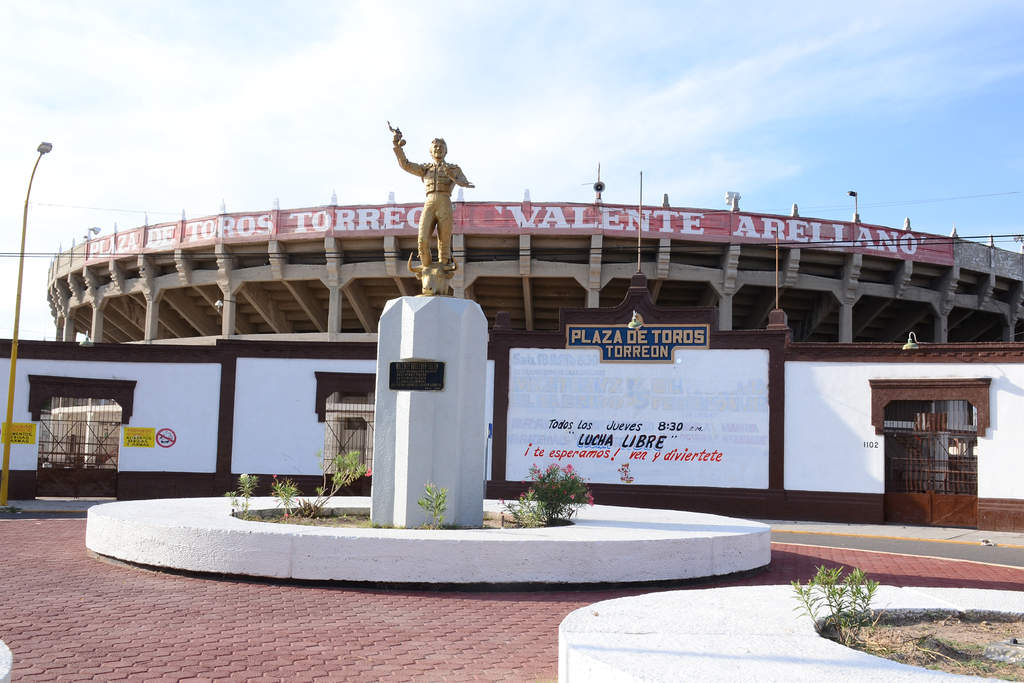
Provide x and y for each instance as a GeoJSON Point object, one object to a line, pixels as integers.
{"type": "Point", "coordinates": [344, 469]}
{"type": "Point", "coordinates": [286, 491]}
{"type": "Point", "coordinates": [240, 497]}
{"type": "Point", "coordinates": [839, 606]}
{"type": "Point", "coordinates": [435, 503]}
{"type": "Point", "coordinates": [556, 494]}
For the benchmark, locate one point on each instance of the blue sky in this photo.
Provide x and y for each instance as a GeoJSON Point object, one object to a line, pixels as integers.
{"type": "Point", "coordinates": [161, 107]}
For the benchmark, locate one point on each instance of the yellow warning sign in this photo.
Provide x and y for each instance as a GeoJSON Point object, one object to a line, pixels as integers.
{"type": "Point", "coordinates": [20, 434]}
{"type": "Point", "coordinates": [140, 437]}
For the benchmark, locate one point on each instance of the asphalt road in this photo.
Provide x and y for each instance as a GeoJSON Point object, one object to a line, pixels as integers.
{"type": "Point", "coordinates": [1011, 556]}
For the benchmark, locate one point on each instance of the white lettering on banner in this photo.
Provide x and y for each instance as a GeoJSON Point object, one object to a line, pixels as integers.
{"type": "Point", "coordinates": [391, 218]}
{"type": "Point", "coordinates": [256, 225]}
{"type": "Point", "coordinates": [700, 421]}
{"type": "Point", "coordinates": [610, 218]}
{"type": "Point", "coordinates": [321, 221]}
{"type": "Point", "coordinates": [414, 217]}
{"type": "Point", "coordinates": [666, 220]}
{"type": "Point", "coordinates": [520, 218]}
{"type": "Point", "coordinates": [553, 216]}
{"type": "Point", "coordinates": [300, 220]}
{"type": "Point", "coordinates": [578, 220]}
{"type": "Point", "coordinates": [128, 243]}
{"type": "Point", "coordinates": [691, 223]}
{"type": "Point", "coordinates": [100, 248]}
{"type": "Point", "coordinates": [488, 218]}
{"type": "Point", "coordinates": [345, 219]}
{"type": "Point", "coordinates": [772, 228]}
{"type": "Point", "coordinates": [196, 231]}
{"type": "Point", "coordinates": [796, 231]}
{"type": "Point", "coordinates": [369, 219]}
{"type": "Point", "coordinates": [160, 237]}
{"type": "Point", "coordinates": [745, 228]}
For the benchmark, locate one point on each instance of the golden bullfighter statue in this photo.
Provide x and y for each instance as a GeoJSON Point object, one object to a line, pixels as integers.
{"type": "Point", "coordinates": [440, 178]}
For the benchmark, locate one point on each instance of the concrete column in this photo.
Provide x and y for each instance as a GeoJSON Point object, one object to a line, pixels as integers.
{"type": "Point", "coordinates": [96, 332]}
{"type": "Point", "coordinates": [151, 328]}
{"type": "Point", "coordinates": [594, 276]}
{"type": "Point", "coordinates": [69, 326]}
{"type": "Point", "coordinates": [725, 312]}
{"type": "Point", "coordinates": [845, 322]}
{"type": "Point", "coordinates": [334, 311]}
{"type": "Point", "coordinates": [941, 328]}
{"type": "Point", "coordinates": [229, 311]}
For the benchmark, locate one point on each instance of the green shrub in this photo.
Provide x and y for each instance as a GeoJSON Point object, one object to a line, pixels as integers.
{"type": "Point", "coordinates": [338, 472]}
{"type": "Point", "coordinates": [286, 491]}
{"type": "Point", "coordinates": [555, 495]}
{"type": "Point", "coordinates": [246, 487]}
{"type": "Point", "coordinates": [435, 503]}
{"type": "Point", "coordinates": [839, 608]}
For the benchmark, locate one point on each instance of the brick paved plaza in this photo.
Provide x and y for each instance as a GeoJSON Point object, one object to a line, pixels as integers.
{"type": "Point", "coordinates": [67, 616]}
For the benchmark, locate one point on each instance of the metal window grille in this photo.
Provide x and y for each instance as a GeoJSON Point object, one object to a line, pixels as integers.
{"type": "Point", "coordinates": [78, 443]}
{"type": "Point", "coordinates": [931, 447]}
{"type": "Point", "coordinates": [348, 426]}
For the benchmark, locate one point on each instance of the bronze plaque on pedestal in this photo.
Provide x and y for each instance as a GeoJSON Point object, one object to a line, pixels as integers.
{"type": "Point", "coordinates": [416, 375]}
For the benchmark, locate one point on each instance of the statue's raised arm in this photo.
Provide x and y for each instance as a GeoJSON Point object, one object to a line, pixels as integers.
{"type": "Point", "coordinates": [439, 179]}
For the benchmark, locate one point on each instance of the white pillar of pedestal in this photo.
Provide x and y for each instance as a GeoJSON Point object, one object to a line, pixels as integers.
{"type": "Point", "coordinates": [430, 436]}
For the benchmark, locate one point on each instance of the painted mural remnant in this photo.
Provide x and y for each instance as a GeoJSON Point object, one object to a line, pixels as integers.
{"type": "Point", "coordinates": [701, 420]}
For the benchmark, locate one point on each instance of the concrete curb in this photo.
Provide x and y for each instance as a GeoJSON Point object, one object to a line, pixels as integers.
{"type": "Point", "coordinates": [741, 633]}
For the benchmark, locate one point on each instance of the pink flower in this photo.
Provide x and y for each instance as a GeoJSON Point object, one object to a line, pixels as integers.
{"type": "Point", "coordinates": [275, 476]}
{"type": "Point", "coordinates": [572, 496]}
{"type": "Point", "coordinates": [369, 473]}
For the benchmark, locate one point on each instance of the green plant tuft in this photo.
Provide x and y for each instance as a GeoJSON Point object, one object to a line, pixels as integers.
{"type": "Point", "coordinates": [839, 606]}
{"type": "Point", "coordinates": [435, 502]}
{"type": "Point", "coordinates": [240, 497]}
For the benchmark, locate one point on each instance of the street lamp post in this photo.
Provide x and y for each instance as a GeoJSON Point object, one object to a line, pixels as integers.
{"type": "Point", "coordinates": [44, 148]}
{"type": "Point", "coordinates": [856, 213]}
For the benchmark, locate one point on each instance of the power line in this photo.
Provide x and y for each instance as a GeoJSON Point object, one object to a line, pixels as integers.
{"type": "Point", "coordinates": [911, 202]}
{"type": "Point", "coordinates": [888, 203]}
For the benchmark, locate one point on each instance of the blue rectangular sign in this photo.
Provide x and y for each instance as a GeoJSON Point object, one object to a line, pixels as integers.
{"type": "Point", "coordinates": [646, 344]}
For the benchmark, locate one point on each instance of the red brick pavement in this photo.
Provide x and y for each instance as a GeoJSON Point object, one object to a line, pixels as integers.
{"type": "Point", "coordinates": [67, 616]}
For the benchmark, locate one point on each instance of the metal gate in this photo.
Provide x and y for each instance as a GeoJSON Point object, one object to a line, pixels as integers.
{"type": "Point", "coordinates": [931, 463]}
{"type": "Point", "coordinates": [78, 446]}
{"type": "Point", "coordinates": [348, 421]}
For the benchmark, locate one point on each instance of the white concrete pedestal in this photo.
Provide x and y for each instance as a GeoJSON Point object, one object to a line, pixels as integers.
{"type": "Point", "coordinates": [430, 436]}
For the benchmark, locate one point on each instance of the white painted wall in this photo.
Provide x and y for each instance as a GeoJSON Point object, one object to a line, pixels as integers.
{"type": "Point", "coordinates": [276, 429]}
{"type": "Point", "coordinates": [181, 396]}
{"type": "Point", "coordinates": [828, 419]}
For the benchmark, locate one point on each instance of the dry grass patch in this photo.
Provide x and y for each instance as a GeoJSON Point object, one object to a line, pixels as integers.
{"type": "Point", "coordinates": [951, 642]}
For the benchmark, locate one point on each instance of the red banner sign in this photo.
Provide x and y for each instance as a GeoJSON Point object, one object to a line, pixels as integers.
{"type": "Point", "coordinates": [525, 218]}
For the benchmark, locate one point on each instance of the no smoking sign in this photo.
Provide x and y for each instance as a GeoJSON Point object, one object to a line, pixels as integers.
{"type": "Point", "coordinates": [165, 438]}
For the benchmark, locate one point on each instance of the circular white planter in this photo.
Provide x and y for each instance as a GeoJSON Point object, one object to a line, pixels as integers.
{"type": "Point", "coordinates": [6, 662]}
{"type": "Point", "coordinates": [741, 634]}
{"type": "Point", "coordinates": [605, 545]}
